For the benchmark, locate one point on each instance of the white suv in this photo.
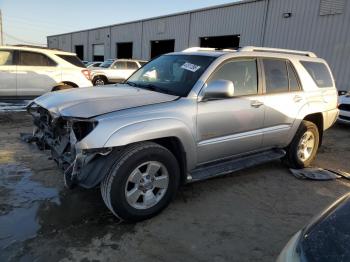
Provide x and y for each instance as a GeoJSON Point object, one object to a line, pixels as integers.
{"type": "Point", "coordinates": [27, 72]}
{"type": "Point", "coordinates": [115, 71]}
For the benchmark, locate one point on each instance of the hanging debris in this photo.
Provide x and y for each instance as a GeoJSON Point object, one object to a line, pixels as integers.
{"type": "Point", "coordinates": [320, 174]}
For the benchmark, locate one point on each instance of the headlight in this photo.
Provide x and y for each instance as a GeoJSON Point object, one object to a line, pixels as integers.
{"type": "Point", "coordinates": [82, 128]}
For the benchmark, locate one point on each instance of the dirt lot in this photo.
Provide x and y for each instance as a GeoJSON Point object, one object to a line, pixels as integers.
{"type": "Point", "coordinates": [247, 216]}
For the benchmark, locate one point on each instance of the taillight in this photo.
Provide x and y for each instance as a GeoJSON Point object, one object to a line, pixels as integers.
{"type": "Point", "coordinates": [86, 73]}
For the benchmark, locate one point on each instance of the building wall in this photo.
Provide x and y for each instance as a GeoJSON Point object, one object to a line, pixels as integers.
{"type": "Point", "coordinates": [81, 38]}
{"type": "Point", "coordinates": [244, 19]}
{"type": "Point", "coordinates": [173, 27]}
{"type": "Point", "coordinates": [259, 23]}
{"type": "Point", "coordinates": [326, 35]}
{"type": "Point", "coordinates": [127, 33]}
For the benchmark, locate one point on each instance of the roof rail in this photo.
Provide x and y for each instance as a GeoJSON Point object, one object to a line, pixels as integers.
{"type": "Point", "coordinates": [39, 47]}
{"type": "Point", "coordinates": [196, 49]}
{"type": "Point", "coordinates": [276, 50]}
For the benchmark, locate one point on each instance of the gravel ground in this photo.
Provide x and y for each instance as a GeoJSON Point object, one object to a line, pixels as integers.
{"type": "Point", "coordinates": [246, 216]}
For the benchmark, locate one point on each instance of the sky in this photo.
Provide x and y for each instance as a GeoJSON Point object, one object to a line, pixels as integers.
{"type": "Point", "coordinates": [30, 21]}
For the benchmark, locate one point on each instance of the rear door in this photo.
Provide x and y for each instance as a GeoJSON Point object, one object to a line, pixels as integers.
{"type": "Point", "coordinates": [8, 73]}
{"type": "Point", "coordinates": [36, 74]}
{"type": "Point", "coordinates": [283, 99]}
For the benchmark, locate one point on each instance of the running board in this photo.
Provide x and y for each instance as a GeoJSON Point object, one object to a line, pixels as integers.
{"type": "Point", "coordinates": [232, 165]}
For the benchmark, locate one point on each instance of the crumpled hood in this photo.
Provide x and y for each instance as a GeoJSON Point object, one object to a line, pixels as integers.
{"type": "Point", "coordinates": [92, 101]}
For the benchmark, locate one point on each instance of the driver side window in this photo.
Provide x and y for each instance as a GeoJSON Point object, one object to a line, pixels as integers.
{"type": "Point", "coordinates": [243, 74]}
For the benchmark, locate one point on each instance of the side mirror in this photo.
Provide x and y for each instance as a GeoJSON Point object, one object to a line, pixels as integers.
{"type": "Point", "coordinates": [218, 89]}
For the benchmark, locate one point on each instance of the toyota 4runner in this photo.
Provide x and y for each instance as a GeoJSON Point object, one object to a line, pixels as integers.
{"type": "Point", "coordinates": [185, 117]}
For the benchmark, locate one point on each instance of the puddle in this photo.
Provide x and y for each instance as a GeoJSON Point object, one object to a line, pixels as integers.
{"type": "Point", "coordinates": [20, 198]}
{"type": "Point", "coordinates": [13, 105]}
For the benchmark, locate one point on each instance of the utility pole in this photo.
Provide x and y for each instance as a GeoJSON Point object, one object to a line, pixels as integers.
{"type": "Point", "coordinates": [1, 32]}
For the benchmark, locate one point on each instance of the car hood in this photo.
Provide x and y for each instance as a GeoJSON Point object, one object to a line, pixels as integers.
{"type": "Point", "coordinates": [93, 101]}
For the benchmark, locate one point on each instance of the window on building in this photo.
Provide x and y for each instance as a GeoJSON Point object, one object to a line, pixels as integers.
{"type": "Point", "coordinates": [276, 76]}
{"type": "Point", "coordinates": [34, 59]}
{"type": "Point", "coordinates": [331, 7]}
{"type": "Point", "coordinates": [6, 58]}
{"type": "Point", "coordinates": [242, 73]}
{"type": "Point", "coordinates": [319, 72]}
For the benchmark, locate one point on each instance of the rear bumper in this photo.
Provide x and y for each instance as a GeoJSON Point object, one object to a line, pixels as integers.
{"type": "Point", "coordinates": [330, 117]}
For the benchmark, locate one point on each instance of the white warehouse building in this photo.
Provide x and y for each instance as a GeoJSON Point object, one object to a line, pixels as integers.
{"type": "Point", "coordinates": [321, 26]}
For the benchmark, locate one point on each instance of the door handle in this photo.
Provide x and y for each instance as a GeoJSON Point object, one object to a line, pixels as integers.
{"type": "Point", "coordinates": [256, 103]}
{"type": "Point", "coordinates": [297, 98]}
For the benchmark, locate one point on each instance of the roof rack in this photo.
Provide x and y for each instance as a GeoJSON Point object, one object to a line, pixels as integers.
{"type": "Point", "coordinates": [203, 49]}
{"type": "Point", "coordinates": [276, 50]}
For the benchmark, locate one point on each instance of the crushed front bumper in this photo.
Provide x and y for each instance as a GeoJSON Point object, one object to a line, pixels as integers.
{"type": "Point", "coordinates": [60, 135]}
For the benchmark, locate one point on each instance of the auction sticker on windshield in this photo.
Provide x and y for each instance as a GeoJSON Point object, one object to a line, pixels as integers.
{"type": "Point", "coordinates": [190, 67]}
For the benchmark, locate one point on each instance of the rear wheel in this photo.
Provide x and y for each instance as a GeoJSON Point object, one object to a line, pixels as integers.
{"type": "Point", "coordinates": [142, 182]}
{"type": "Point", "coordinates": [303, 149]}
{"type": "Point", "coordinates": [99, 81]}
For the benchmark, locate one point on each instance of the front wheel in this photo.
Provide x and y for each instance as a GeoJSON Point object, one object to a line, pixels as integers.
{"type": "Point", "coordinates": [142, 182]}
{"type": "Point", "coordinates": [303, 149]}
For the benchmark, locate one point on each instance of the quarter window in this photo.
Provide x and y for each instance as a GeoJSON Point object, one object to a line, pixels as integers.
{"type": "Point", "coordinates": [276, 76]}
{"type": "Point", "coordinates": [293, 80]}
{"type": "Point", "coordinates": [242, 73]}
{"type": "Point", "coordinates": [319, 72]}
{"type": "Point", "coordinates": [6, 58]}
{"type": "Point", "coordinates": [34, 59]}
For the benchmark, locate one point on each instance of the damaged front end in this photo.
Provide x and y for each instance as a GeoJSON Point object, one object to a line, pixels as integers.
{"type": "Point", "coordinates": [60, 135]}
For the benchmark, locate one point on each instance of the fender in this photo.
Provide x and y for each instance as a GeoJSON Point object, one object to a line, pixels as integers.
{"type": "Point", "coordinates": [155, 129]}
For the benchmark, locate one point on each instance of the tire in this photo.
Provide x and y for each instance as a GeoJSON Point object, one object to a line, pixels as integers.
{"type": "Point", "coordinates": [99, 81]}
{"type": "Point", "coordinates": [62, 87]}
{"type": "Point", "coordinates": [146, 199]}
{"type": "Point", "coordinates": [307, 131]}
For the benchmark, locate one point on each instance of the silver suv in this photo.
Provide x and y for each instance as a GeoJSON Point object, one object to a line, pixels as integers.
{"type": "Point", "coordinates": [186, 117]}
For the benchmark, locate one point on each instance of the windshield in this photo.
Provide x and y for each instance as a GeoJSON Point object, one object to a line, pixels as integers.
{"type": "Point", "coordinates": [106, 64]}
{"type": "Point", "coordinates": [172, 74]}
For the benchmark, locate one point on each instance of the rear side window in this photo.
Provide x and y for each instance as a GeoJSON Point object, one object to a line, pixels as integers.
{"type": "Point", "coordinates": [72, 59]}
{"type": "Point", "coordinates": [142, 63]}
{"type": "Point", "coordinates": [6, 57]}
{"type": "Point", "coordinates": [276, 76]}
{"type": "Point", "coordinates": [242, 73]}
{"type": "Point", "coordinates": [319, 72]}
{"type": "Point", "coordinates": [131, 65]}
{"type": "Point", "coordinates": [34, 59]}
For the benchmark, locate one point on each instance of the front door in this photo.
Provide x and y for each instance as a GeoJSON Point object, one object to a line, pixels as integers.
{"type": "Point", "coordinates": [36, 74]}
{"type": "Point", "coordinates": [8, 74]}
{"type": "Point", "coordinates": [232, 126]}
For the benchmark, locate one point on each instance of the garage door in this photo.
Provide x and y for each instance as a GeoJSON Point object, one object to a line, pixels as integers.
{"type": "Point", "coordinates": [98, 52]}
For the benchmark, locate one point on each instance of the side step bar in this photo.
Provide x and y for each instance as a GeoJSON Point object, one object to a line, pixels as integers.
{"type": "Point", "coordinates": [232, 165]}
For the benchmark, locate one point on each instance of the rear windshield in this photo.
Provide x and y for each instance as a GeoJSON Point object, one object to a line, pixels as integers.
{"type": "Point", "coordinates": [319, 72]}
{"type": "Point", "coordinates": [72, 59]}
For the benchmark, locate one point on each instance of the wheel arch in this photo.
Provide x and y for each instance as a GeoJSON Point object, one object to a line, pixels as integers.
{"type": "Point", "coordinates": [317, 119]}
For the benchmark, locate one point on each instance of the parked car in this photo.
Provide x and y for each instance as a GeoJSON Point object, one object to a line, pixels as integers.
{"type": "Point", "coordinates": [325, 238]}
{"type": "Point", "coordinates": [115, 71]}
{"type": "Point", "coordinates": [93, 64]}
{"type": "Point", "coordinates": [27, 72]}
{"type": "Point", "coordinates": [344, 107]}
{"type": "Point", "coordinates": [185, 117]}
